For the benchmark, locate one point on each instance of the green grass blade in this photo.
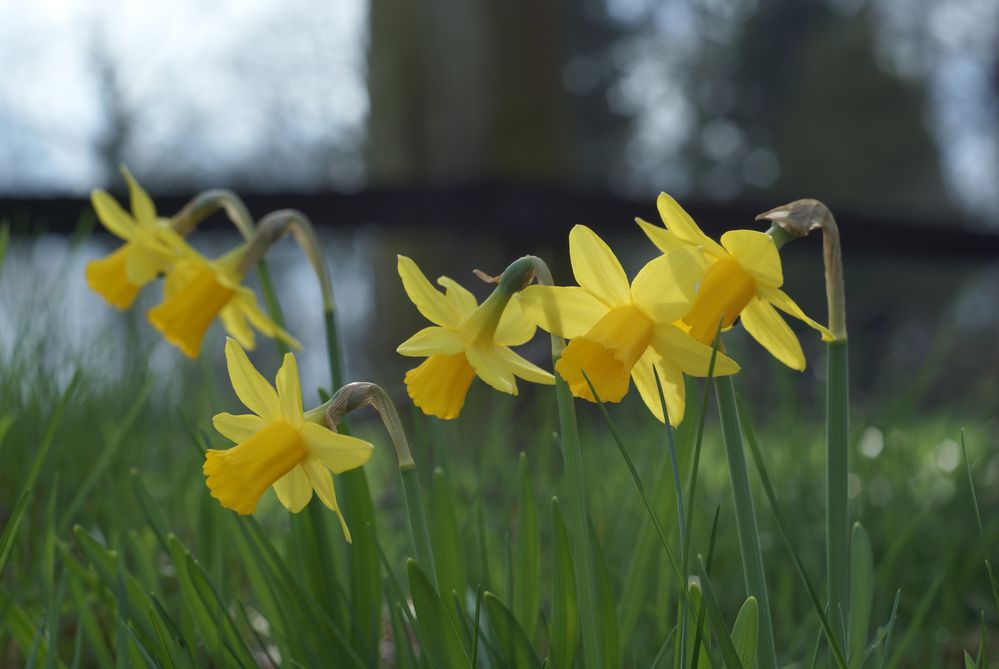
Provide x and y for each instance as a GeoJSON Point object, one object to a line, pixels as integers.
{"type": "Point", "coordinates": [527, 561]}
{"type": "Point", "coordinates": [564, 632]}
{"type": "Point", "coordinates": [4, 241]}
{"type": "Point", "coordinates": [981, 528]}
{"type": "Point", "coordinates": [761, 468]}
{"type": "Point", "coordinates": [50, 432]}
{"type": "Point", "coordinates": [717, 622]}
{"type": "Point", "coordinates": [579, 524]}
{"type": "Point", "coordinates": [891, 629]}
{"type": "Point", "coordinates": [745, 518]}
{"type": "Point", "coordinates": [97, 468]}
{"type": "Point", "coordinates": [660, 660]}
{"type": "Point", "coordinates": [443, 645]}
{"type": "Point", "coordinates": [451, 574]}
{"type": "Point", "coordinates": [511, 639]}
{"type": "Point", "coordinates": [10, 529]}
{"type": "Point", "coordinates": [745, 632]}
{"type": "Point", "coordinates": [610, 642]}
{"type": "Point", "coordinates": [861, 592]}
{"type": "Point", "coordinates": [637, 479]}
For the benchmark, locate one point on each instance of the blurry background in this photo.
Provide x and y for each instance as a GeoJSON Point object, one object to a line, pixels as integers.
{"type": "Point", "coordinates": [465, 134]}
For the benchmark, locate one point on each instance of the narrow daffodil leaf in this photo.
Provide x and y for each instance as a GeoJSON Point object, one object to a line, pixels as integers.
{"type": "Point", "coordinates": [861, 593]}
{"type": "Point", "coordinates": [527, 561]}
{"type": "Point", "coordinates": [443, 645]}
{"type": "Point", "coordinates": [564, 630]}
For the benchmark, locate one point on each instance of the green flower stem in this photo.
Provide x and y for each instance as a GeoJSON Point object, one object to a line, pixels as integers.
{"type": "Point", "coordinates": [797, 219]}
{"type": "Point", "coordinates": [353, 396]}
{"type": "Point", "coordinates": [837, 472]}
{"type": "Point", "coordinates": [745, 518]}
{"type": "Point", "coordinates": [207, 203]}
{"type": "Point", "coordinates": [586, 584]}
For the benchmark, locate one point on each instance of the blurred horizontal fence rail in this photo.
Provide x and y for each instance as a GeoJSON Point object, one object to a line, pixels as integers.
{"type": "Point", "coordinates": [538, 214]}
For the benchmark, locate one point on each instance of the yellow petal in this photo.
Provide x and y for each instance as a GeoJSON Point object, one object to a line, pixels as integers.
{"type": "Point", "coordinates": [142, 206]}
{"type": "Point", "coordinates": [689, 355]}
{"type": "Point", "coordinates": [246, 301]}
{"type": "Point", "coordinates": [671, 379]}
{"type": "Point", "coordinates": [666, 286]}
{"type": "Point", "coordinates": [768, 328]}
{"type": "Point", "coordinates": [514, 328]}
{"type": "Point", "coordinates": [461, 299]}
{"type": "Point", "coordinates": [112, 216]}
{"type": "Point", "coordinates": [185, 316]}
{"type": "Point", "coordinates": [438, 386]}
{"type": "Point", "coordinates": [682, 225]}
{"type": "Point", "coordinates": [289, 390]}
{"type": "Point", "coordinates": [235, 324]}
{"type": "Point", "coordinates": [145, 262]}
{"type": "Point", "coordinates": [251, 388]}
{"type": "Point", "coordinates": [757, 254]}
{"type": "Point", "coordinates": [430, 341]}
{"type": "Point", "coordinates": [294, 489]}
{"type": "Point", "coordinates": [664, 240]}
{"type": "Point", "coordinates": [783, 301]}
{"type": "Point", "coordinates": [238, 428]}
{"type": "Point", "coordinates": [431, 302]}
{"type": "Point", "coordinates": [596, 268]}
{"type": "Point", "coordinates": [489, 367]}
{"type": "Point", "coordinates": [337, 452]}
{"type": "Point", "coordinates": [725, 290]}
{"type": "Point", "coordinates": [563, 311]}
{"type": "Point", "coordinates": [322, 483]}
{"type": "Point", "coordinates": [524, 368]}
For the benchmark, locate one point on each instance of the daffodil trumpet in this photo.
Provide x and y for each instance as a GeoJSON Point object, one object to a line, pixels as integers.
{"type": "Point", "coordinates": [797, 219]}
{"type": "Point", "coordinates": [277, 445]}
{"type": "Point", "coordinates": [199, 289]}
{"type": "Point", "coordinates": [467, 339]}
{"type": "Point", "coordinates": [357, 395]}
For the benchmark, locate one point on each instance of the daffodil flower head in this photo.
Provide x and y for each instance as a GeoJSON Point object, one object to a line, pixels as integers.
{"type": "Point", "coordinates": [277, 445]}
{"type": "Point", "coordinates": [742, 279]}
{"type": "Point", "coordinates": [467, 340]}
{"type": "Point", "coordinates": [151, 246]}
{"type": "Point", "coordinates": [197, 290]}
{"type": "Point", "coordinates": [619, 330]}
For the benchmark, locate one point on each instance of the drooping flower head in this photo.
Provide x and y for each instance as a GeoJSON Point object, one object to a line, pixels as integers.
{"type": "Point", "coordinates": [151, 246]}
{"type": "Point", "coordinates": [277, 445]}
{"type": "Point", "coordinates": [742, 278]}
{"type": "Point", "coordinates": [619, 331]}
{"type": "Point", "coordinates": [197, 290]}
{"type": "Point", "coordinates": [467, 340]}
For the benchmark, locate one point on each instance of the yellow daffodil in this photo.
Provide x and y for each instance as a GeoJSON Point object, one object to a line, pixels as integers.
{"type": "Point", "coordinates": [197, 290]}
{"type": "Point", "coordinates": [742, 277]}
{"type": "Point", "coordinates": [467, 340]}
{"type": "Point", "coordinates": [619, 331]}
{"type": "Point", "coordinates": [151, 246]}
{"type": "Point", "coordinates": [277, 445]}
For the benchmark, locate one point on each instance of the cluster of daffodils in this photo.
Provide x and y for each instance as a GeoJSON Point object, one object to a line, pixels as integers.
{"type": "Point", "coordinates": [661, 323]}
{"type": "Point", "coordinates": [196, 289]}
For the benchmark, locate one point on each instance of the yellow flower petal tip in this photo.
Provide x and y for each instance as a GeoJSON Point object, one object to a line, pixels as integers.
{"type": "Point", "coordinates": [108, 278]}
{"type": "Point", "coordinates": [438, 386]}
